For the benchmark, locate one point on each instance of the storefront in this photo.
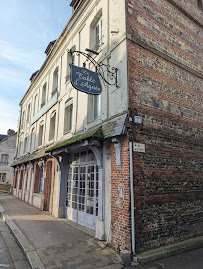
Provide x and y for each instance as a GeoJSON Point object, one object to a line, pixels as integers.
{"type": "Point", "coordinates": [82, 199]}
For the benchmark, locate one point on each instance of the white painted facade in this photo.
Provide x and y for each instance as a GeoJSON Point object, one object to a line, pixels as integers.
{"type": "Point", "coordinates": [37, 121]}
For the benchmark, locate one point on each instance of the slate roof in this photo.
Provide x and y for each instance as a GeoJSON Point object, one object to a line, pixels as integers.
{"type": "Point", "coordinates": [2, 137]}
{"type": "Point", "coordinates": [49, 47]}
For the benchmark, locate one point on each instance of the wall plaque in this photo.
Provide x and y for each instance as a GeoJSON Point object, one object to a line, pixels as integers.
{"type": "Point", "coordinates": [138, 147]}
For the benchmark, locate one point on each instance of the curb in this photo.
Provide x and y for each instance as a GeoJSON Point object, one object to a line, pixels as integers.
{"type": "Point", "coordinates": [172, 250]}
{"type": "Point", "coordinates": [28, 250]}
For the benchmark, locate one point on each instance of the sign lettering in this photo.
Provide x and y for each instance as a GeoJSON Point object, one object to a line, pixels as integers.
{"type": "Point", "coordinates": [85, 80]}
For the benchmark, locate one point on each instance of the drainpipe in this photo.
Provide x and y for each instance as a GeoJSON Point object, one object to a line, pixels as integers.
{"type": "Point", "coordinates": [132, 200]}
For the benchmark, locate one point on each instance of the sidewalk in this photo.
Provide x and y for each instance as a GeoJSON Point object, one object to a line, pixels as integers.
{"type": "Point", "coordinates": [51, 243]}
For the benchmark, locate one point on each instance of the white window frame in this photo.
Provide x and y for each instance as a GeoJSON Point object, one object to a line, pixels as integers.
{"type": "Point", "coordinates": [94, 113]}
{"type": "Point", "coordinates": [97, 42]}
{"type": "Point", "coordinates": [55, 81]}
{"type": "Point", "coordinates": [40, 134]}
{"type": "Point", "coordinates": [52, 126]}
{"type": "Point", "coordinates": [44, 93]}
{"type": "Point", "coordinates": [68, 116]}
{"type": "Point", "coordinates": [4, 158]}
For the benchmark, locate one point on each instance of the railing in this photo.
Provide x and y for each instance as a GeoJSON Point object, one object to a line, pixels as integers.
{"type": "Point", "coordinates": [98, 45]}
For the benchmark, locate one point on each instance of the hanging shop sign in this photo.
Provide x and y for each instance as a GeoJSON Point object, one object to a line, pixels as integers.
{"type": "Point", "coordinates": [85, 80]}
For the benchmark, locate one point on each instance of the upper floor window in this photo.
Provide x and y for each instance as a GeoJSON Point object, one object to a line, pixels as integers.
{"type": "Point", "coordinates": [32, 140]}
{"type": "Point", "coordinates": [200, 4]}
{"type": "Point", "coordinates": [97, 35]}
{"type": "Point", "coordinates": [25, 145]}
{"type": "Point", "coordinates": [4, 158]}
{"type": "Point", "coordinates": [44, 92]}
{"type": "Point", "coordinates": [35, 108]}
{"type": "Point", "coordinates": [23, 119]}
{"type": "Point", "coordinates": [41, 132]}
{"type": "Point", "coordinates": [94, 107]}
{"type": "Point", "coordinates": [70, 60]}
{"type": "Point", "coordinates": [28, 113]}
{"type": "Point", "coordinates": [52, 125]}
{"type": "Point", "coordinates": [68, 116]}
{"type": "Point", "coordinates": [55, 81]}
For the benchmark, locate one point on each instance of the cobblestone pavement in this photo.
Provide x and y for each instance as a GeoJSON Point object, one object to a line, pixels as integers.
{"type": "Point", "coordinates": [58, 244]}
{"type": "Point", "coordinates": [11, 255]}
{"type": "Point", "coordinates": [81, 254]}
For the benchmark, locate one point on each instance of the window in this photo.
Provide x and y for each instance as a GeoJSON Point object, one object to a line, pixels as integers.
{"type": "Point", "coordinates": [44, 92]}
{"type": "Point", "coordinates": [97, 35]}
{"type": "Point", "coordinates": [19, 148]}
{"type": "Point", "coordinates": [35, 105]}
{"type": "Point", "coordinates": [23, 119]}
{"type": "Point", "coordinates": [2, 177]}
{"type": "Point", "coordinates": [4, 158]}
{"type": "Point", "coordinates": [93, 107]}
{"type": "Point", "coordinates": [70, 60]}
{"type": "Point", "coordinates": [32, 140]}
{"type": "Point", "coordinates": [41, 131]}
{"type": "Point", "coordinates": [68, 118]}
{"type": "Point", "coordinates": [200, 5]}
{"type": "Point", "coordinates": [28, 113]}
{"type": "Point", "coordinates": [52, 125]}
{"type": "Point", "coordinates": [25, 145]}
{"type": "Point", "coordinates": [55, 82]}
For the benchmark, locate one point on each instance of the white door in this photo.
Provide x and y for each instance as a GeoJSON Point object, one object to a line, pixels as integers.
{"type": "Point", "coordinates": [82, 190]}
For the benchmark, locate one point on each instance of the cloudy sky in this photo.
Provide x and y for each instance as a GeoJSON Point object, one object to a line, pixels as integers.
{"type": "Point", "coordinates": [26, 28]}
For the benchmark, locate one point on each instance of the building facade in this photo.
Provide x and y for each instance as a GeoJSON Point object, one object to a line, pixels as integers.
{"type": "Point", "coordinates": [7, 154]}
{"type": "Point", "coordinates": [84, 157]}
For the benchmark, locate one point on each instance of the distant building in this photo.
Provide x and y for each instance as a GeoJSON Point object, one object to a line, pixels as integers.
{"type": "Point", "coordinates": [82, 156]}
{"type": "Point", "coordinates": [7, 154]}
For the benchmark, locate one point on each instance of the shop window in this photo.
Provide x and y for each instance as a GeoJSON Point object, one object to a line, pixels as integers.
{"type": "Point", "coordinates": [4, 158]}
{"type": "Point", "coordinates": [52, 125]}
{"type": "Point", "coordinates": [55, 81]}
{"type": "Point", "coordinates": [21, 179]}
{"type": "Point", "coordinates": [41, 131]}
{"type": "Point", "coordinates": [44, 92]}
{"type": "Point", "coordinates": [94, 107]}
{"type": "Point", "coordinates": [2, 177]}
{"type": "Point", "coordinates": [39, 180]}
{"type": "Point", "coordinates": [68, 118]}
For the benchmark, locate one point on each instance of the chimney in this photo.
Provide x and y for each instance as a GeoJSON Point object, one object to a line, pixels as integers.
{"type": "Point", "coordinates": [10, 132]}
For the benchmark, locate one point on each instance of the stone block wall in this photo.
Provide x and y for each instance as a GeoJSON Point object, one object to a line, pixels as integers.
{"type": "Point", "coordinates": [165, 88]}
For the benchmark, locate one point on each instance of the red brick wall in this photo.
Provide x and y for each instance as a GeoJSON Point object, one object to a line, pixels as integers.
{"type": "Point", "coordinates": [120, 214]}
{"type": "Point", "coordinates": [165, 89]}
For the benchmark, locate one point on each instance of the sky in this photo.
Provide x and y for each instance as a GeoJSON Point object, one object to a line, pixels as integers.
{"type": "Point", "coordinates": [26, 28]}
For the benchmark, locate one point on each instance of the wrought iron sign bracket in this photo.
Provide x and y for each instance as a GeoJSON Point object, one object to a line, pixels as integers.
{"type": "Point", "coordinates": [106, 72]}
